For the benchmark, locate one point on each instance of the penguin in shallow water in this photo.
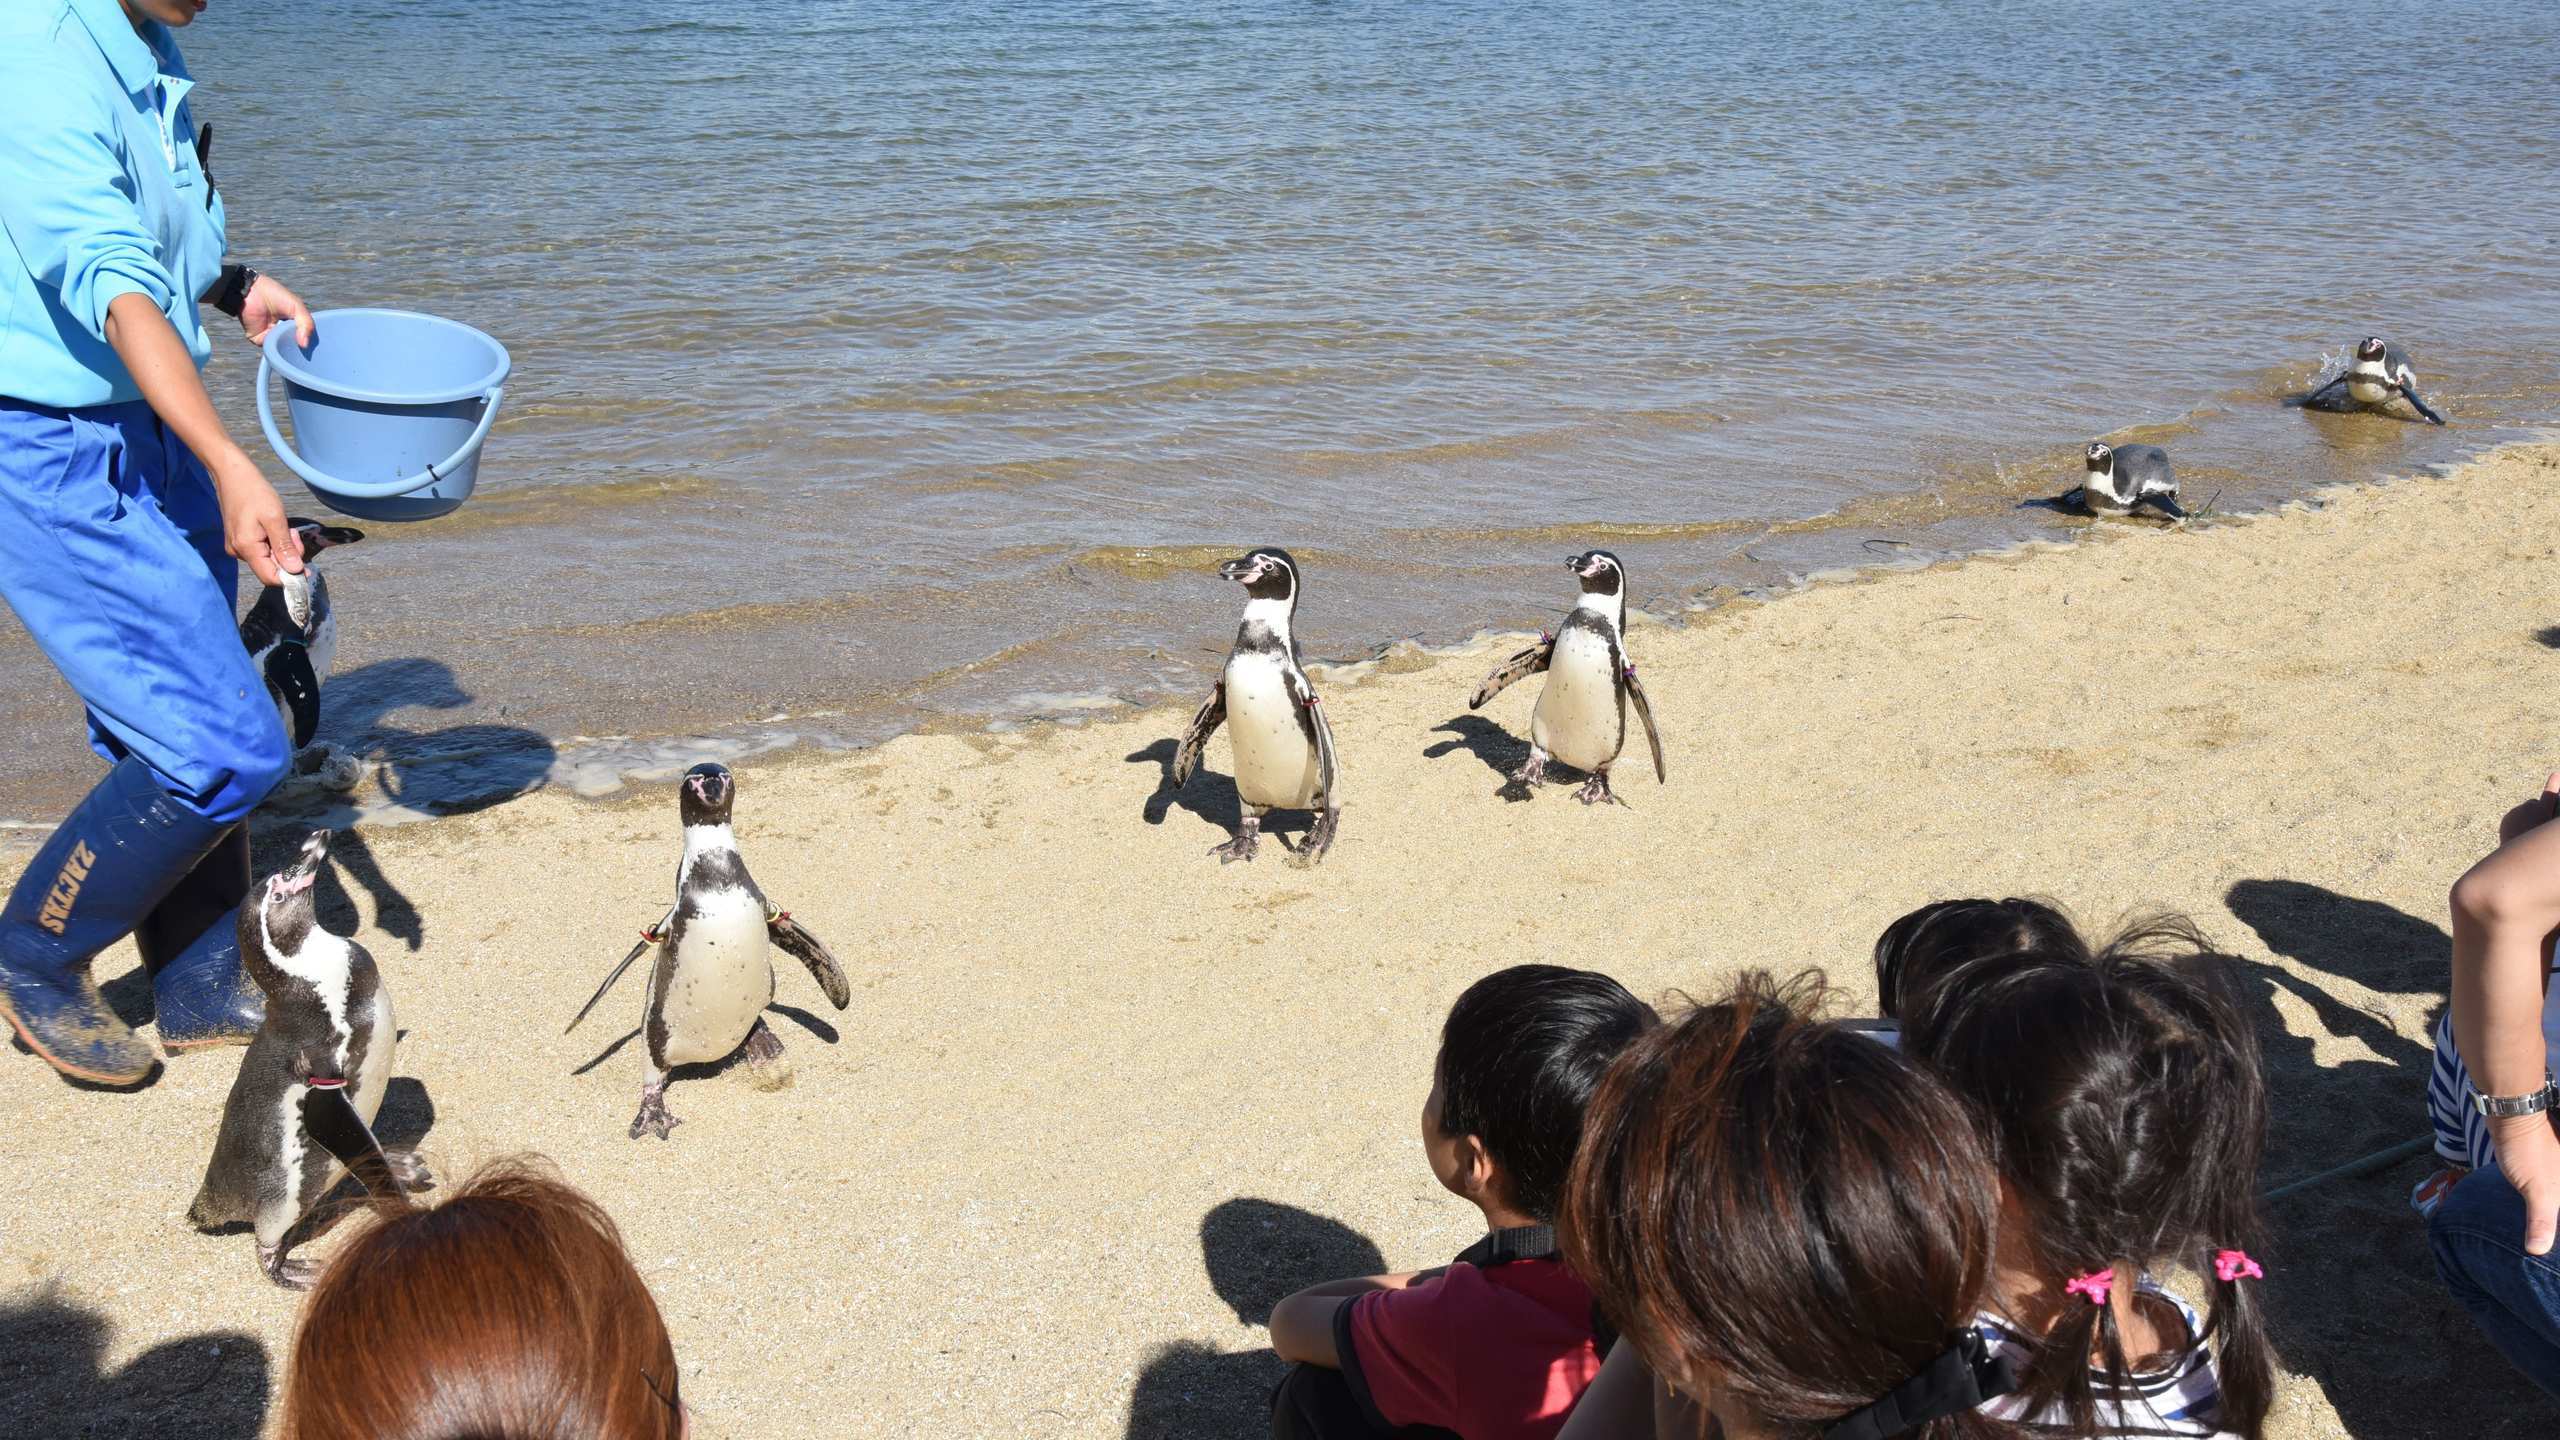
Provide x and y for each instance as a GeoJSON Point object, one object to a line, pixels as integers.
{"type": "Point", "coordinates": [1283, 743]}
{"type": "Point", "coordinates": [1581, 718]}
{"type": "Point", "coordinates": [312, 1081]}
{"type": "Point", "coordinates": [292, 632]}
{"type": "Point", "coordinates": [2377, 374]}
{"type": "Point", "coordinates": [2124, 478]}
{"type": "Point", "coordinates": [714, 974]}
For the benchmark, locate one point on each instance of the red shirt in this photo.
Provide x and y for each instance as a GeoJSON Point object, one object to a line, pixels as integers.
{"type": "Point", "coordinates": [1499, 1352]}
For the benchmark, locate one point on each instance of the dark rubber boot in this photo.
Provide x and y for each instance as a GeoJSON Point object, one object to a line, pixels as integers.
{"type": "Point", "coordinates": [109, 864]}
{"type": "Point", "coordinates": [190, 944]}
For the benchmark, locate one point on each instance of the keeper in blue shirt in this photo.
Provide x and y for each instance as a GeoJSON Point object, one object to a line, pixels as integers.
{"type": "Point", "coordinates": [126, 504]}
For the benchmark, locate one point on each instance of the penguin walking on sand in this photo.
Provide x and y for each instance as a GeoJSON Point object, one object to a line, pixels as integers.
{"type": "Point", "coordinates": [714, 974]}
{"type": "Point", "coordinates": [312, 1081]}
{"type": "Point", "coordinates": [2377, 374]}
{"type": "Point", "coordinates": [292, 632]}
{"type": "Point", "coordinates": [1581, 717]}
{"type": "Point", "coordinates": [2125, 478]}
{"type": "Point", "coordinates": [1283, 743]}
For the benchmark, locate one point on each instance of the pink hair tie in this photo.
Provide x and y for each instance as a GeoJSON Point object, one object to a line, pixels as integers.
{"type": "Point", "coordinates": [2097, 1285]}
{"type": "Point", "coordinates": [2230, 1265]}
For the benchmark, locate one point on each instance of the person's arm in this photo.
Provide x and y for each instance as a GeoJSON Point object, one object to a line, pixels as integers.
{"type": "Point", "coordinates": [1625, 1402]}
{"type": "Point", "coordinates": [1302, 1325]}
{"type": "Point", "coordinates": [253, 519]}
{"type": "Point", "coordinates": [2504, 911]}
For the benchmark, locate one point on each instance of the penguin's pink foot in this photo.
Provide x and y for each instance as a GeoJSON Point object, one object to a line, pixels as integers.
{"type": "Point", "coordinates": [1241, 847]}
{"type": "Point", "coordinates": [292, 1274]}
{"type": "Point", "coordinates": [410, 1171]}
{"type": "Point", "coordinates": [1532, 771]}
{"type": "Point", "coordinates": [1320, 836]}
{"type": "Point", "coordinates": [1596, 791]}
{"type": "Point", "coordinates": [766, 1069]}
{"type": "Point", "coordinates": [653, 1118]}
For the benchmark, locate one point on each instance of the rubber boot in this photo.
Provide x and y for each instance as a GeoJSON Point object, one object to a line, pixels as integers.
{"type": "Point", "coordinates": [120, 852]}
{"type": "Point", "coordinates": [191, 945]}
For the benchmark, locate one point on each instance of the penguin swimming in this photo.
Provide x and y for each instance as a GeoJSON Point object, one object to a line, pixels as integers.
{"type": "Point", "coordinates": [1581, 718]}
{"type": "Point", "coordinates": [714, 973]}
{"type": "Point", "coordinates": [292, 632]}
{"type": "Point", "coordinates": [2124, 478]}
{"type": "Point", "coordinates": [2378, 373]}
{"type": "Point", "coordinates": [313, 1078]}
{"type": "Point", "coordinates": [1283, 743]}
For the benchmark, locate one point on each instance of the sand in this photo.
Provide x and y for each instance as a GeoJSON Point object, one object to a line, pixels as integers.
{"type": "Point", "coordinates": [1098, 1101]}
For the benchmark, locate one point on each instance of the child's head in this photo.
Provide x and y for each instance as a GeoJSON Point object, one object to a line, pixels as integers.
{"type": "Point", "coordinates": [1790, 1222]}
{"type": "Point", "coordinates": [509, 1309]}
{"type": "Point", "coordinates": [1922, 948]}
{"type": "Point", "coordinates": [1520, 1054]}
{"type": "Point", "coordinates": [2123, 1100]}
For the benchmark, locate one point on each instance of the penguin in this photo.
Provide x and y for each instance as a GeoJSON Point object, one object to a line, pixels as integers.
{"type": "Point", "coordinates": [292, 632]}
{"type": "Point", "coordinates": [2378, 373]}
{"type": "Point", "coordinates": [1581, 717]}
{"type": "Point", "coordinates": [312, 1080]}
{"type": "Point", "coordinates": [714, 973]}
{"type": "Point", "coordinates": [2124, 478]}
{"type": "Point", "coordinates": [1283, 743]}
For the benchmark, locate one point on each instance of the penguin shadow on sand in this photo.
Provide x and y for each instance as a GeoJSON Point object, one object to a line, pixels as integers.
{"type": "Point", "coordinates": [1501, 751]}
{"type": "Point", "coordinates": [1258, 1252]}
{"type": "Point", "coordinates": [2548, 637]}
{"type": "Point", "coordinates": [453, 771]}
{"type": "Point", "coordinates": [53, 1369]}
{"type": "Point", "coordinates": [2354, 1296]}
{"type": "Point", "coordinates": [817, 1028]}
{"type": "Point", "coordinates": [1210, 796]}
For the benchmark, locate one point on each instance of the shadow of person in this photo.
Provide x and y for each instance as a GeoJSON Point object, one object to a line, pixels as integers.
{"type": "Point", "coordinates": [408, 1113]}
{"type": "Point", "coordinates": [1210, 796]}
{"type": "Point", "coordinates": [452, 771]}
{"type": "Point", "coordinates": [351, 857]}
{"type": "Point", "coordinates": [2353, 1259]}
{"type": "Point", "coordinates": [1502, 752]}
{"type": "Point", "coordinates": [52, 1368]}
{"type": "Point", "coordinates": [1257, 1252]}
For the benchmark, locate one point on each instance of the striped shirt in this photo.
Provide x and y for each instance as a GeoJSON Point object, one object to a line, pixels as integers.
{"type": "Point", "coordinates": [2183, 1398]}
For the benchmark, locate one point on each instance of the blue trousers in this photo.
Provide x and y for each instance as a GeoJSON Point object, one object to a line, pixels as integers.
{"type": "Point", "coordinates": [113, 559]}
{"type": "Point", "coordinates": [2478, 1235]}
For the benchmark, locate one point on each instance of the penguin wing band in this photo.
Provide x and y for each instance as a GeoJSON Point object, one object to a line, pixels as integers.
{"type": "Point", "coordinates": [1186, 757]}
{"type": "Point", "coordinates": [1319, 730]}
{"type": "Point", "coordinates": [1510, 672]}
{"type": "Point", "coordinates": [797, 941]}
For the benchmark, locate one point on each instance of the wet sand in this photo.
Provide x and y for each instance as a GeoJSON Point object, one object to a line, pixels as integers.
{"type": "Point", "coordinates": [1098, 1102]}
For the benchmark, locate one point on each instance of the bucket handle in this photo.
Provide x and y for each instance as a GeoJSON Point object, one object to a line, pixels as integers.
{"type": "Point", "coordinates": [379, 490]}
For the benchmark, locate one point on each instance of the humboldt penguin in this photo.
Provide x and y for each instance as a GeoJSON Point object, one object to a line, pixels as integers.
{"type": "Point", "coordinates": [1283, 743]}
{"type": "Point", "coordinates": [292, 632]}
{"type": "Point", "coordinates": [312, 1081]}
{"type": "Point", "coordinates": [714, 973]}
{"type": "Point", "coordinates": [2377, 374]}
{"type": "Point", "coordinates": [1581, 717]}
{"type": "Point", "coordinates": [2124, 478]}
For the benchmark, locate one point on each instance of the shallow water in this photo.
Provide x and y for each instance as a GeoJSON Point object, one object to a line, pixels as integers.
{"type": "Point", "coordinates": [877, 365]}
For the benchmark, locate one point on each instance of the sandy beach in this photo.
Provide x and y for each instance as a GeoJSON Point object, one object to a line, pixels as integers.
{"type": "Point", "coordinates": [1098, 1101]}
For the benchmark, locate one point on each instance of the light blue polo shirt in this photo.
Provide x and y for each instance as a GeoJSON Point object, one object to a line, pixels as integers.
{"type": "Point", "coordinates": [100, 196]}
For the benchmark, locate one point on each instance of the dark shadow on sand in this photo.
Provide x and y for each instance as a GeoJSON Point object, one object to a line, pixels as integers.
{"type": "Point", "coordinates": [825, 1032]}
{"type": "Point", "coordinates": [1257, 1252]}
{"type": "Point", "coordinates": [2548, 637]}
{"type": "Point", "coordinates": [1210, 796]}
{"type": "Point", "coordinates": [2353, 1290]}
{"type": "Point", "coordinates": [453, 771]}
{"type": "Point", "coordinates": [53, 1370]}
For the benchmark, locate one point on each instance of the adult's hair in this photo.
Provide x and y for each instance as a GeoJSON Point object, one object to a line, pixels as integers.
{"type": "Point", "coordinates": [1919, 951]}
{"type": "Point", "coordinates": [1788, 1220]}
{"type": "Point", "coordinates": [2126, 1108]}
{"type": "Point", "coordinates": [508, 1312]}
{"type": "Point", "coordinates": [1520, 1054]}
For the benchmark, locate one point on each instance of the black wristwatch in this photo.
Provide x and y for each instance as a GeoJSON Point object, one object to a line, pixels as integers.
{"type": "Point", "coordinates": [2506, 1107]}
{"type": "Point", "coordinates": [231, 292]}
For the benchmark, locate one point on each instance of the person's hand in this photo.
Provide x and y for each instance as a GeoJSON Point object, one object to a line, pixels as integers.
{"type": "Point", "coordinates": [2529, 1155]}
{"type": "Point", "coordinates": [267, 305]}
{"type": "Point", "coordinates": [253, 522]}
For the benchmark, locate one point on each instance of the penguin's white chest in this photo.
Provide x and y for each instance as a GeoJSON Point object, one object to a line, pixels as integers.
{"type": "Point", "coordinates": [2368, 387]}
{"type": "Point", "coordinates": [1581, 715]}
{"type": "Point", "coordinates": [1275, 760]}
{"type": "Point", "coordinates": [721, 980]}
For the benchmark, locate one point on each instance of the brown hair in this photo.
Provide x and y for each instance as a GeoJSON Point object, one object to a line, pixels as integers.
{"type": "Point", "coordinates": [1787, 1219]}
{"type": "Point", "coordinates": [508, 1312]}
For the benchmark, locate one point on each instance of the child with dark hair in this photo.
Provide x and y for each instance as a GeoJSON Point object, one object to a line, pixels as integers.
{"type": "Point", "coordinates": [1500, 1342]}
{"type": "Point", "coordinates": [1793, 1225]}
{"type": "Point", "coordinates": [2123, 1100]}
{"type": "Point", "coordinates": [1919, 951]}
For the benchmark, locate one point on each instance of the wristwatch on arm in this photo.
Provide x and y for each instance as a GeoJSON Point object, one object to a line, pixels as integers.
{"type": "Point", "coordinates": [231, 291]}
{"type": "Point", "coordinates": [2504, 1107]}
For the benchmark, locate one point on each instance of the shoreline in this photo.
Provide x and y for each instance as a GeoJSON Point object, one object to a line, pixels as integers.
{"type": "Point", "coordinates": [1098, 1100]}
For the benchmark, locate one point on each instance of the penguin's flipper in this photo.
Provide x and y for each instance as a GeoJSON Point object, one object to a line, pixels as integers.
{"type": "Point", "coordinates": [1634, 689]}
{"type": "Point", "coordinates": [1318, 731]}
{"type": "Point", "coordinates": [1510, 672]}
{"type": "Point", "coordinates": [796, 941]}
{"type": "Point", "coordinates": [648, 938]}
{"type": "Point", "coordinates": [1186, 756]}
{"type": "Point", "coordinates": [289, 675]}
{"type": "Point", "coordinates": [2316, 396]}
{"type": "Point", "coordinates": [330, 1118]}
{"type": "Point", "coordinates": [2166, 503]}
{"type": "Point", "coordinates": [2409, 392]}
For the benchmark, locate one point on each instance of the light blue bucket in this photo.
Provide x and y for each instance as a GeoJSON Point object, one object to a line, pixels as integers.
{"type": "Point", "coordinates": [389, 409]}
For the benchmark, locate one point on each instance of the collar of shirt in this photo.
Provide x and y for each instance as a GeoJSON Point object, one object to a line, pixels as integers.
{"type": "Point", "coordinates": [145, 63]}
